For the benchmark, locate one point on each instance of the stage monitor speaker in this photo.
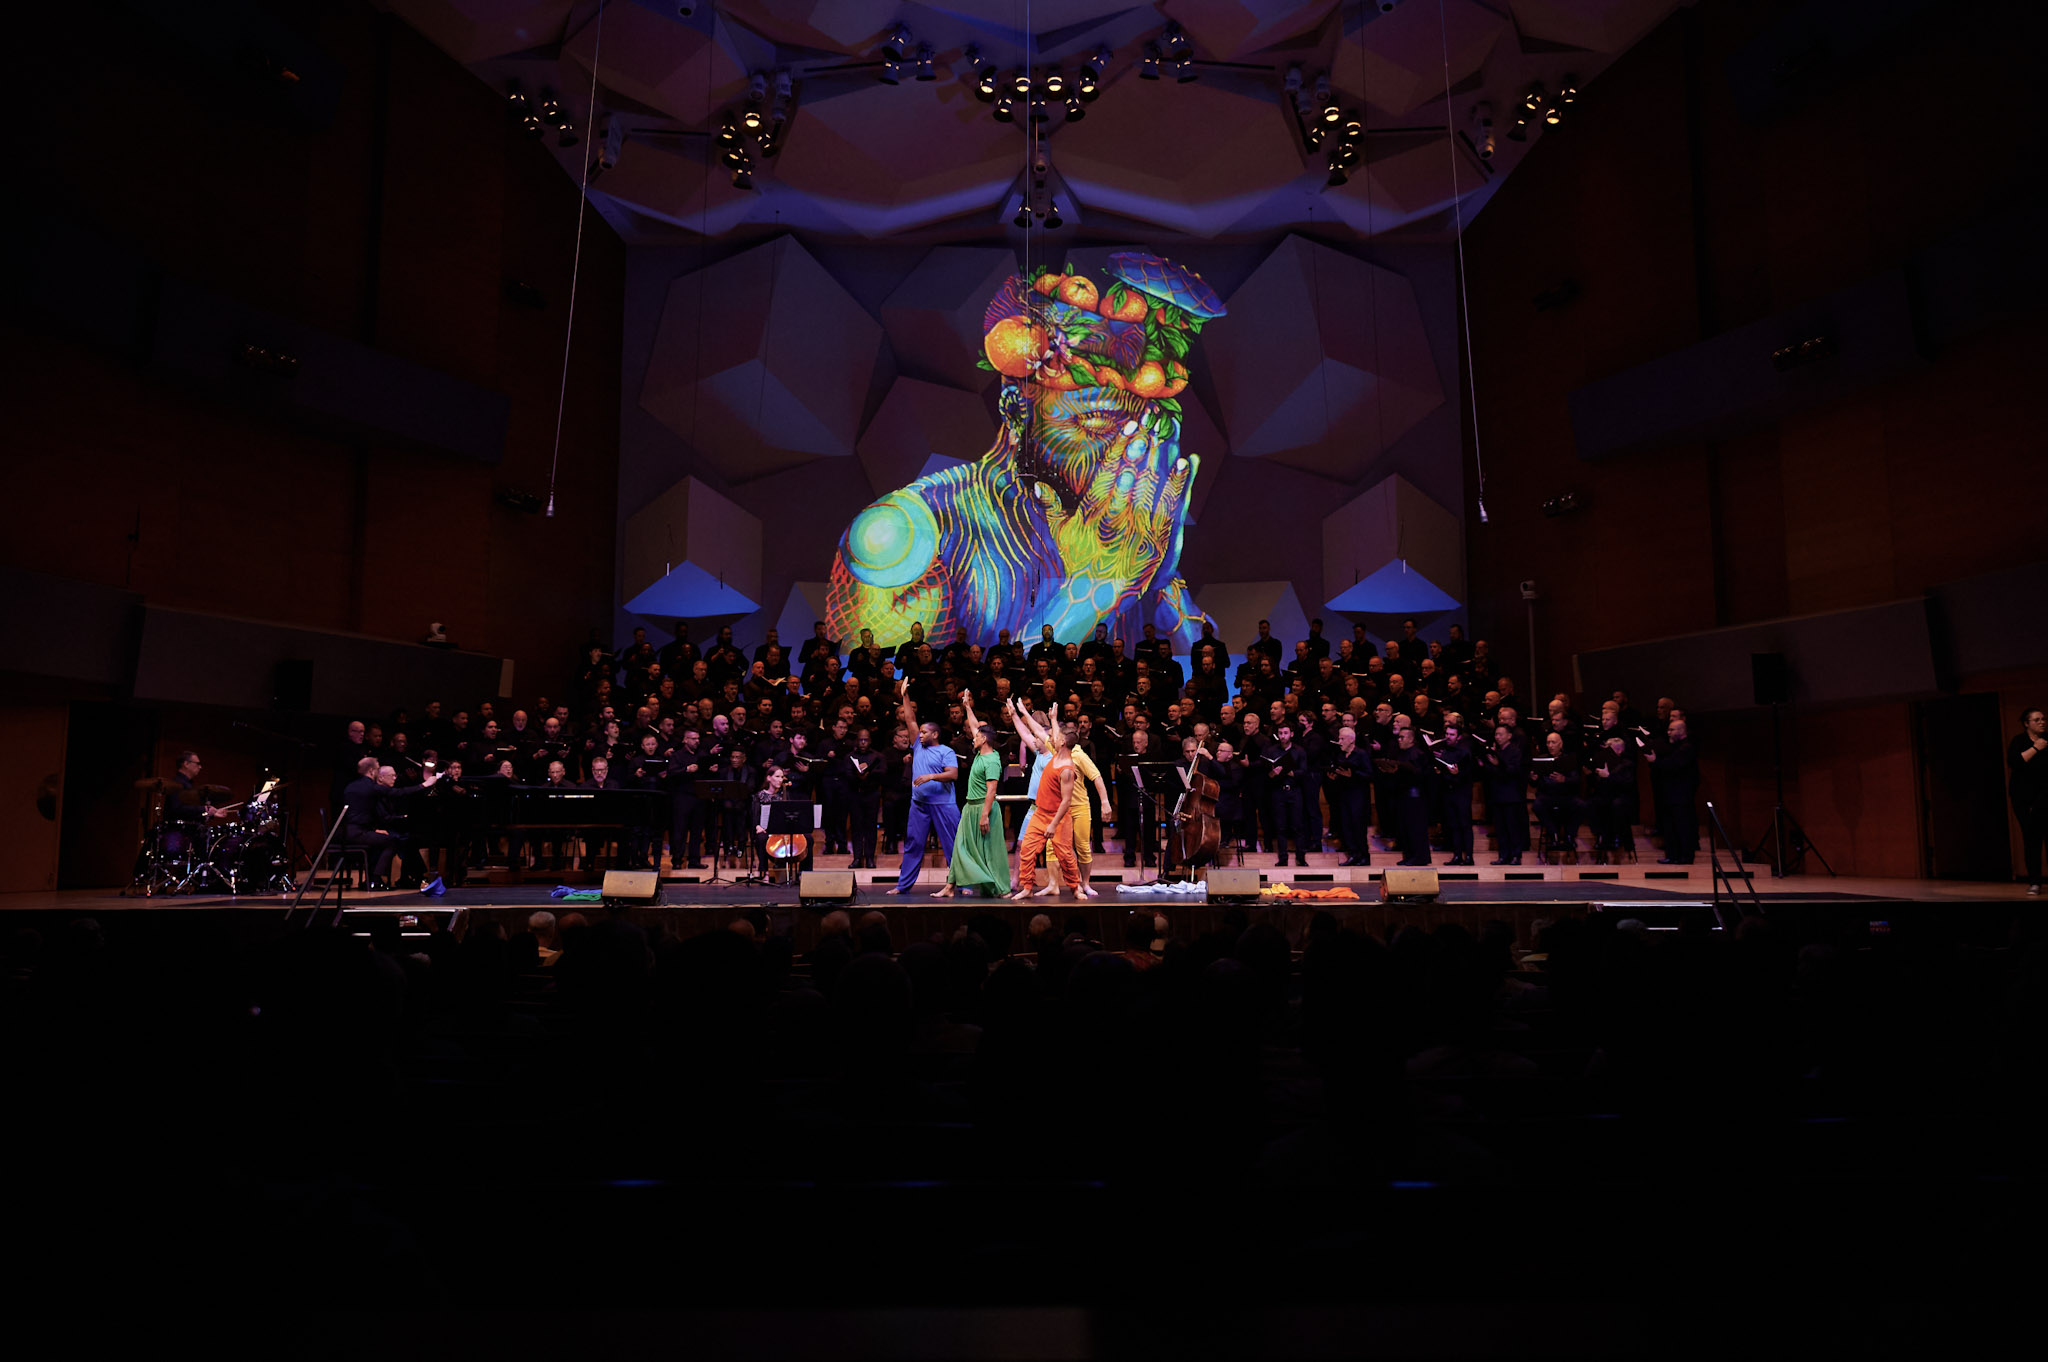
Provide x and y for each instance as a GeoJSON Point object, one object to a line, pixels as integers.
{"type": "Point", "coordinates": [291, 686]}
{"type": "Point", "coordinates": [641, 888]}
{"type": "Point", "coordinates": [1231, 883]}
{"type": "Point", "coordinates": [1409, 884]}
{"type": "Point", "coordinates": [1770, 679]}
{"type": "Point", "coordinates": [825, 887]}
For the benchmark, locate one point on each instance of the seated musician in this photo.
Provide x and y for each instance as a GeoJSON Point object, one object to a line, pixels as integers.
{"type": "Point", "coordinates": [188, 805]}
{"type": "Point", "coordinates": [373, 813]}
{"type": "Point", "coordinates": [598, 842]}
{"type": "Point", "coordinates": [776, 789]}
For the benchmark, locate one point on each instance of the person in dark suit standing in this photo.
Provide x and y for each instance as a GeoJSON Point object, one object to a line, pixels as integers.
{"type": "Point", "coordinates": [2026, 762]}
{"type": "Point", "coordinates": [1409, 783]}
{"type": "Point", "coordinates": [1507, 795]}
{"type": "Point", "coordinates": [1348, 783]}
{"type": "Point", "coordinates": [866, 773]}
{"type": "Point", "coordinates": [1675, 781]}
{"type": "Point", "coordinates": [1230, 801]}
{"type": "Point", "coordinates": [1612, 792]}
{"type": "Point", "coordinates": [1458, 763]}
{"type": "Point", "coordinates": [1286, 771]}
{"type": "Point", "coordinates": [687, 765]}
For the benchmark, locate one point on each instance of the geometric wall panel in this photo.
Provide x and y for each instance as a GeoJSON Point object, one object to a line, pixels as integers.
{"type": "Point", "coordinates": [1391, 550]}
{"type": "Point", "coordinates": [1597, 25]}
{"type": "Point", "coordinates": [934, 317]}
{"type": "Point", "coordinates": [674, 185]}
{"type": "Point", "coordinates": [804, 608]}
{"type": "Point", "coordinates": [1237, 608]}
{"type": "Point", "coordinates": [915, 421]}
{"type": "Point", "coordinates": [1322, 363]}
{"type": "Point", "coordinates": [762, 362]}
{"type": "Point", "coordinates": [1230, 29]}
{"type": "Point", "coordinates": [691, 554]}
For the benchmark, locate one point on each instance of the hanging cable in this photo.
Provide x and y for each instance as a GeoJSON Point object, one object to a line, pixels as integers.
{"type": "Point", "coordinates": [576, 261]}
{"type": "Point", "coordinates": [1458, 218]}
{"type": "Point", "coordinates": [1372, 278]}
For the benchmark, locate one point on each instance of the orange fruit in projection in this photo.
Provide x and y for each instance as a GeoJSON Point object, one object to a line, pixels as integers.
{"type": "Point", "coordinates": [1012, 343]}
{"type": "Point", "coordinates": [1078, 290]}
{"type": "Point", "coordinates": [1052, 374]}
{"type": "Point", "coordinates": [1132, 309]}
{"type": "Point", "coordinates": [1109, 376]}
{"type": "Point", "coordinates": [1149, 379]}
{"type": "Point", "coordinates": [1048, 284]}
{"type": "Point", "coordinates": [1176, 378]}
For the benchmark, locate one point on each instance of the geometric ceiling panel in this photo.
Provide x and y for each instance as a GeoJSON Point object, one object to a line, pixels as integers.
{"type": "Point", "coordinates": [915, 421]}
{"type": "Point", "coordinates": [1404, 177]}
{"type": "Point", "coordinates": [1391, 548]}
{"type": "Point", "coordinates": [884, 158]}
{"type": "Point", "coordinates": [1403, 65]}
{"type": "Point", "coordinates": [762, 362]}
{"type": "Point", "coordinates": [934, 317]}
{"type": "Point", "coordinates": [1323, 363]}
{"type": "Point", "coordinates": [1229, 29]}
{"type": "Point", "coordinates": [1201, 436]}
{"type": "Point", "coordinates": [841, 26]}
{"type": "Point", "coordinates": [804, 607]}
{"type": "Point", "coordinates": [662, 62]}
{"type": "Point", "coordinates": [478, 30]}
{"type": "Point", "coordinates": [1596, 25]}
{"type": "Point", "coordinates": [671, 183]}
{"type": "Point", "coordinates": [1126, 157]}
{"type": "Point", "coordinates": [691, 554]}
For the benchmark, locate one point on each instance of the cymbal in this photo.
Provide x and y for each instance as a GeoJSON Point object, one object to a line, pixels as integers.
{"type": "Point", "coordinates": [151, 784]}
{"type": "Point", "coordinates": [214, 789]}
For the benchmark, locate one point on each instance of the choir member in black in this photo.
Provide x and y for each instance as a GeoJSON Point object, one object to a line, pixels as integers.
{"type": "Point", "coordinates": [1611, 790]}
{"type": "Point", "coordinates": [896, 789]}
{"type": "Point", "coordinates": [372, 801]}
{"type": "Point", "coordinates": [1347, 782]}
{"type": "Point", "coordinates": [1380, 738]}
{"type": "Point", "coordinates": [1457, 762]}
{"type": "Point", "coordinates": [1265, 645]}
{"type": "Point", "coordinates": [1560, 809]}
{"type": "Point", "coordinates": [556, 777]}
{"type": "Point", "coordinates": [1251, 741]}
{"type": "Point", "coordinates": [688, 764]}
{"type": "Point", "coordinates": [1230, 803]}
{"type": "Point", "coordinates": [1675, 781]}
{"type": "Point", "coordinates": [2026, 765]}
{"type": "Point", "coordinates": [1507, 795]}
{"type": "Point", "coordinates": [649, 771]}
{"type": "Point", "coordinates": [1136, 817]}
{"type": "Point", "coordinates": [1409, 784]}
{"type": "Point", "coordinates": [1286, 770]}
{"type": "Point", "coordinates": [865, 772]}
{"type": "Point", "coordinates": [734, 827]}
{"type": "Point", "coordinates": [833, 789]}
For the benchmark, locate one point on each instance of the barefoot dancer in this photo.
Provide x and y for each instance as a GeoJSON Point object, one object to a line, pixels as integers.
{"type": "Point", "coordinates": [1052, 823]}
{"type": "Point", "coordinates": [933, 769]}
{"type": "Point", "coordinates": [980, 860]}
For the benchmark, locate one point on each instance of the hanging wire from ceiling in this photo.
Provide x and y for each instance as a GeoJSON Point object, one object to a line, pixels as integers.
{"type": "Point", "coordinates": [1372, 278]}
{"type": "Point", "coordinates": [1458, 218]}
{"type": "Point", "coordinates": [576, 261]}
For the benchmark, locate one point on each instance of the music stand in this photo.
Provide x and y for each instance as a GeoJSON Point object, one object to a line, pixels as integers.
{"type": "Point", "coordinates": [722, 794]}
{"type": "Point", "coordinates": [790, 817]}
{"type": "Point", "coordinates": [1159, 781]}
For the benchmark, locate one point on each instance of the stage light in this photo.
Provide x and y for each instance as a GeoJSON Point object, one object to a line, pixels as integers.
{"type": "Point", "coordinates": [1354, 128]}
{"type": "Point", "coordinates": [897, 45]}
{"type": "Point", "coordinates": [1091, 71]}
{"type": "Point", "coordinates": [1533, 97]}
{"type": "Point", "coordinates": [1337, 176]}
{"type": "Point", "coordinates": [890, 74]}
{"type": "Point", "coordinates": [751, 118]}
{"type": "Point", "coordinates": [1055, 83]}
{"type": "Point", "coordinates": [534, 127]}
{"type": "Point", "coordinates": [742, 178]}
{"type": "Point", "coordinates": [1568, 92]}
{"type": "Point", "coordinates": [1020, 81]}
{"type": "Point", "coordinates": [1520, 131]}
{"type": "Point", "coordinates": [1075, 110]}
{"type": "Point", "coordinates": [757, 86]}
{"type": "Point", "coordinates": [736, 156]}
{"type": "Point", "coordinates": [1482, 129]}
{"type": "Point", "coordinates": [515, 97]}
{"type": "Point", "coordinates": [1023, 218]}
{"type": "Point", "coordinates": [1006, 110]}
{"type": "Point", "coordinates": [1553, 115]}
{"type": "Point", "coordinates": [566, 136]}
{"type": "Point", "coordinates": [1174, 40]}
{"type": "Point", "coordinates": [925, 68]}
{"type": "Point", "coordinates": [1052, 216]}
{"type": "Point", "coordinates": [1148, 68]}
{"type": "Point", "coordinates": [1326, 105]}
{"type": "Point", "coordinates": [1184, 70]}
{"type": "Point", "coordinates": [984, 73]}
{"type": "Point", "coordinates": [550, 106]}
{"type": "Point", "coordinates": [728, 132]}
{"type": "Point", "coordinates": [1038, 111]}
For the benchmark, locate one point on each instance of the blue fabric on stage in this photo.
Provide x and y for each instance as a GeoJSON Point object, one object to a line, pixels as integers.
{"type": "Point", "coordinates": [926, 814]}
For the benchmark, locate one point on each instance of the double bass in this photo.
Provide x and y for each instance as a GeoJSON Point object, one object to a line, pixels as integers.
{"type": "Point", "coordinates": [1197, 832]}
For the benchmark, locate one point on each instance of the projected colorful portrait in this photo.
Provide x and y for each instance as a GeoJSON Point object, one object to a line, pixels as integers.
{"type": "Point", "coordinates": [1075, 514]}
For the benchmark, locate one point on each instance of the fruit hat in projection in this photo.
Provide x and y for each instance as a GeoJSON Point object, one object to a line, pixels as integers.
{"type": "Point", "coordinates": [1130, 332]}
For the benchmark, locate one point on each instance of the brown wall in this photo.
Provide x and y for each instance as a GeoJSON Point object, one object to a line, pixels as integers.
{"type": "Point", "coordinates": [32, 736]}
{"type": "Point", "coordinates": [242, 513]}
{"type": "Point", "coordinates": [1891, 491]}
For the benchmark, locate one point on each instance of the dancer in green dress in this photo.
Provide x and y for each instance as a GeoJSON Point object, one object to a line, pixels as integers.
{"type": "Point", "coordinates": [981, 859]}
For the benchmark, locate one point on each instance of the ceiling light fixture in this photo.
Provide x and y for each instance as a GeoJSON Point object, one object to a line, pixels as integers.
{"type": "Point", "coordinates": [1055, 83]}
{"type": "Point", "coordinates": [1092, 68]}
{"type": "Point", "coordinates": [1184, 70]}
{"type": "Point", "coordinates": [1174, 39]}
{"type": "Point", "coordinates": [1568, 92]}
{"type": "Point", "coordinates": [1326, 104]}
{"type": "Point", "coordinates": [1052, 215]}
{"type": "Point", "coordinates": [890, 74]}
{"type": "Point", "coordinates": [1148, 68]}
{"type": "Point", "coordinates": [1533, 98]}
{"type": "Point", "coordinates": [1006, 109]}
{"type": "Point", "coordinates": [1482, 129]}
{"type": "Point", "coordinates": [1076, 110]}
{"type": "Point", "coordinates": [984, 73]}
{"type": "Point", "coordinates": [1023, 218]}
{"type": "Point", "coordinates": [1020, 81]}
{"type": "Point", "coordinates": [1553, 115]}
{"type": "Point", "coordinates": [926, 70]}
{"type": "Point", "coordinates": [896, 45]}
{"type": "Point", "coordinates": [742, 178]}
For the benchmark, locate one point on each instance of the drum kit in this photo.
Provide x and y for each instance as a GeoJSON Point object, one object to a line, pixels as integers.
{"type": "Point", "coordinates": [184, 852]}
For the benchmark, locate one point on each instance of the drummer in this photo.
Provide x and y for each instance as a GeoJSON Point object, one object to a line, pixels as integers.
{"type": "Point", "coordinates": [189, 801]}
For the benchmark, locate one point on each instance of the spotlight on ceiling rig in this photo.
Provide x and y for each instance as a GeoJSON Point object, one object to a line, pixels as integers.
{"type": "Point", "coordinates": [984, 73]}
{"type": "Point", "coordinates": [1006, 109]}
{"type": "Point", "coordinates": [926, 69]}
{"type": "Point", "coordinates": [1076, 110]}
{"type": "Point", "coordinates": [896, 45]}
{"type": "Point", "coordinates": [1092, 67]}
{"type": "Point", "coordinates": [1482, 129]}
{"type": "Point", "coordinates": [1533, 97]}
{"type": "Point", "coordinates": [1052, 215]}
{"type": "Point", "coordinates": [1326, 106]}
{"type": "Point", "coordinates": [1148, 66]}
